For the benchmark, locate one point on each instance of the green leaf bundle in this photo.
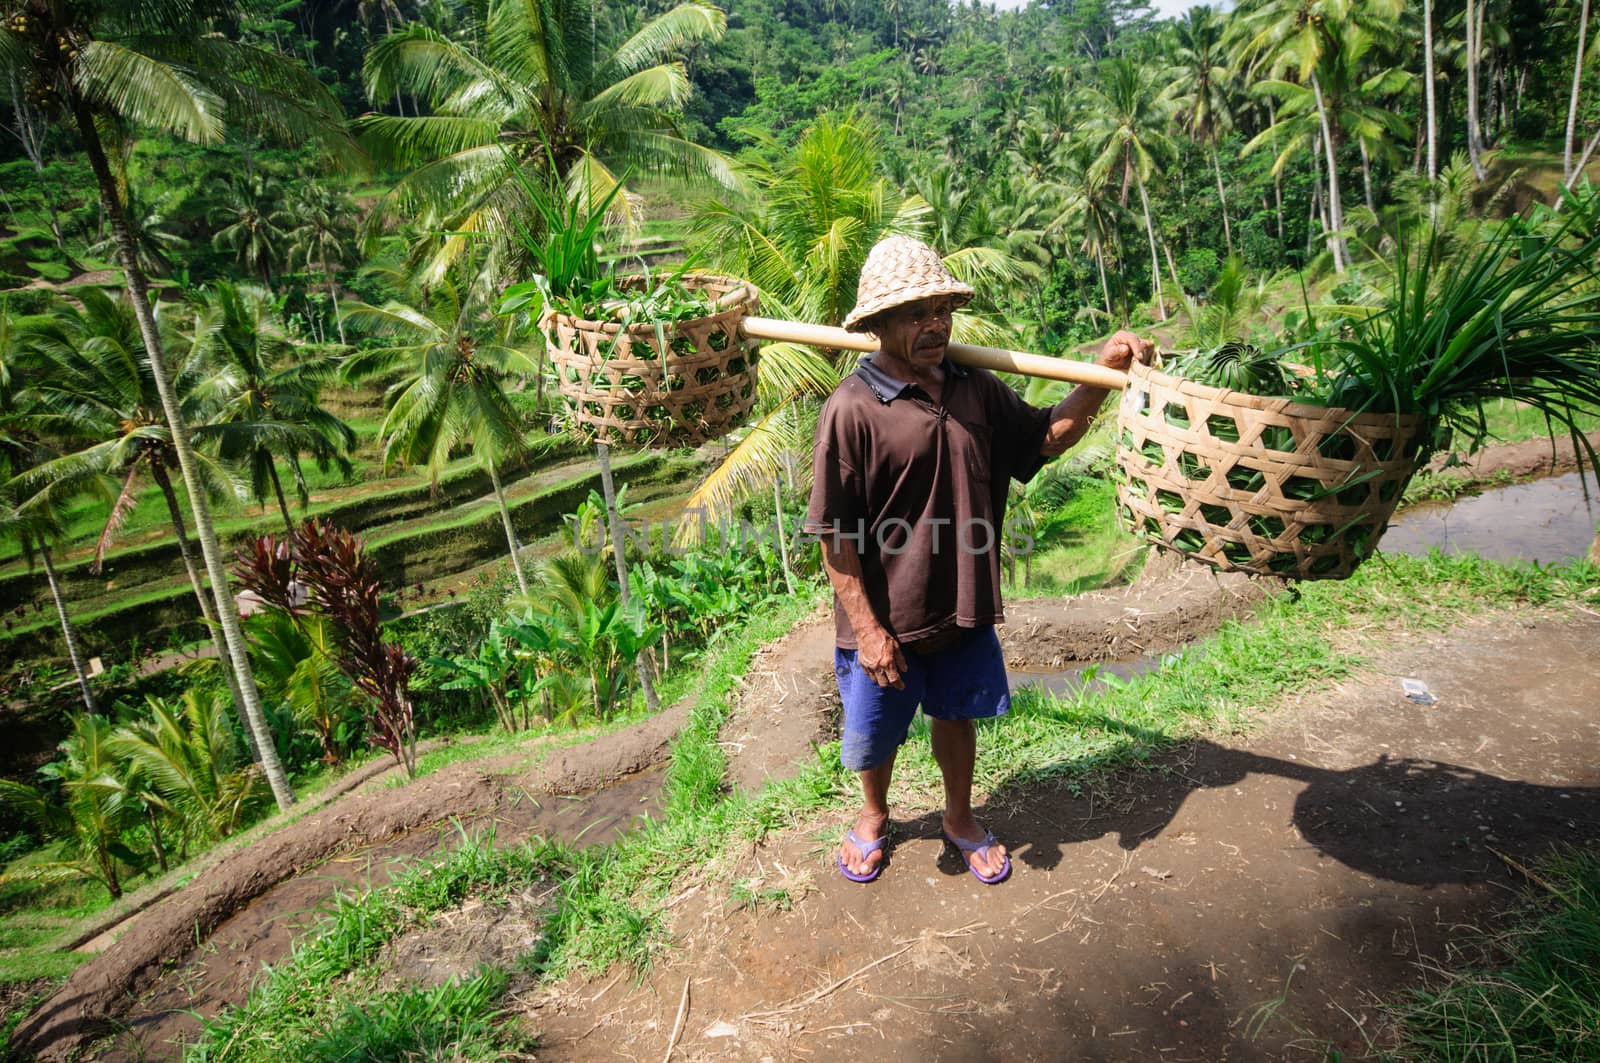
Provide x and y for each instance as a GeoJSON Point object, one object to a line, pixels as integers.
{"type": "Point", "coordinates": [1517, 317]}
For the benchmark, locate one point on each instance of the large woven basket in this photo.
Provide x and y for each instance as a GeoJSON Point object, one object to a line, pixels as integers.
{"type": "Point", "coordinates": [620, 387]}
{"type": "Point", "coordinates": [1259, 484]}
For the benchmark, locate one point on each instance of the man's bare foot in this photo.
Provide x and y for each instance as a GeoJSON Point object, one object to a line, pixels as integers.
{"type": "Point", "coordinates": [988, 863]}
{"type": "Point", "coordinates": [869, 828]}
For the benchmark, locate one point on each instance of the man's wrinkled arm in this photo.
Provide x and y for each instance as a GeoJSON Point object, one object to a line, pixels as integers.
{"type": "Point", "coordinates": [1072, 416]}
{"type": "Point", "coordinates": [876, 650]}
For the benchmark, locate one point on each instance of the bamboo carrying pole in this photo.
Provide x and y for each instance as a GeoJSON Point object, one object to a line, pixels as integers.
{"type": "Point", "coordinates": [993, 358]}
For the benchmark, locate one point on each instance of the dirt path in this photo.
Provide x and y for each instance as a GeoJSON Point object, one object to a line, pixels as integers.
{"type": "Point", "coordinates": [1246, 900]}
{"type": "Point", "coordinates": [247, 907]}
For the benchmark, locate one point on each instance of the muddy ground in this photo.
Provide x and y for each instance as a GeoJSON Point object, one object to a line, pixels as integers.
{"type": "Point", "coordinates": [1245, 900]}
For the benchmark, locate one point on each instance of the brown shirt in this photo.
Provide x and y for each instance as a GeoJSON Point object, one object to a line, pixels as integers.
{"type": "Point", "coordinates": [919, 488]}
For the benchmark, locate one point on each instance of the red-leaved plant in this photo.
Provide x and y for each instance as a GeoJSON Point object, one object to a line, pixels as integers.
{"type": "Point", "coordinates": [324, 569]}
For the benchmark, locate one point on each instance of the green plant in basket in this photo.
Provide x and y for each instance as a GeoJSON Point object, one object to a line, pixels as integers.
{"type": "Point", "coordinates": [1517, 316]}
{"type": "Point", "coordinates": [1235, 366]}
{"type": "Point", "coordinates": [567, 274]}
{"type": "Point", "coordinates": [569, 277]}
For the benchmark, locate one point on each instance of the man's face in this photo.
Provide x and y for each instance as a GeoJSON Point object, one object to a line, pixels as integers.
{"type": "Point", "coordinates": [918, 333]}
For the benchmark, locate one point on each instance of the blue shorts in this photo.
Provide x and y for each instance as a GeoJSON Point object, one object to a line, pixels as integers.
{"type": "Point", "coordinates": [967, 681]}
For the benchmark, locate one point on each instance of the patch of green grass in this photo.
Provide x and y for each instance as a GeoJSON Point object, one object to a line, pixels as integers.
{"type": "Point", "coordinates": [1531, 992]}
{"type": "Point", "coordinates": [33, 917]}
{"type": "Point", "coordinates": [454, 1021]}
{"type": "Point", "coordinates": [1088, 548]}
{"type": "Point", "coordinates": [1512, 422]}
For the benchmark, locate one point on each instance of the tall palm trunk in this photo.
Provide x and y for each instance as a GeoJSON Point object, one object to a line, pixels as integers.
{"type": "Point", "coordinates": [277, 489]}
{"type": "Point", "coordinates": [1335, 204]}
{"type": "Point", "coordinates": [1366, 176]}
{"type": "Point", "coordinates": [158, 472]}
{"type": "Point", "coordinates": [1155, 260]}
{"type": "Point", "coordinates": [1577, 85]}
{"type": "Point", "coordinates": [1277, 175]}
{"type": "Point", "coordinates": [210, 550]}
{"type": "Point", "coordinates": [1105, 288]}
{"type": "Point", "coordinates": [67, 634]}
{"type": "Point", "coordinates": [338, 318]}
{"type": "Point", "coordinates": [511, 532]}
{"type": "Point", "coordinates": [1474, 123]}
{"type": "Point", "coordinates": [1222, 195]}
{"type": "Point", "coordinates": [1428, 90]}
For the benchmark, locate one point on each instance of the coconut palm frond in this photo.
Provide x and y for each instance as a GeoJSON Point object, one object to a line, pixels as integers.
{"type": "Point", "coordinates": [753, 463]}
{"type": "Point", "coordinates": [147, 91]}
{"type": "Point", "coordinates": [791, 369]}
{"type": "Point", "coordinates": [669, 32]}
{"type": "Point", "coordinates": [664, 86]}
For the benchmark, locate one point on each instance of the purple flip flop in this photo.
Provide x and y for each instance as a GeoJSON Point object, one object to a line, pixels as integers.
{"type": "Point", "coordinates": [866, 849]}
{"type": "Point", "coordinates": [966, 847]}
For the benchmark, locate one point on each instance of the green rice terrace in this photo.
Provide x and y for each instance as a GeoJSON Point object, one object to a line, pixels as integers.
{"type": "Point", "coordinates": [412, 645]}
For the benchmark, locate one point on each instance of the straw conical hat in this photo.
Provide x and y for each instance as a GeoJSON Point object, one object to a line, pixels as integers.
{"type": "Point", "coordinates": [901, 270]}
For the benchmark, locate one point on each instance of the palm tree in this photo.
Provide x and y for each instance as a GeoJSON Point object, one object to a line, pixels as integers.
{"type": "Point", "coordinates": [34, 524]}
{"type": "Point", "coordinates": [259, 400]}
{"type": "Point", "coordinates": [96, 394]}
{"type": "Point", "coordinates": [248, 217]}
{"type": "Point", "coordinates": [321, 226]}
{"type": "Point", "coordinates": [186, 751]}
{"type": "Point", "coordinates": [1088, 207]}
{"type": "Point", "coordinates": [1577, 87]}
{"type": "Point", "coordinates": [1302, 37]}
{"type": "Point", "coordinates": [87, 814]}
{"type": "Point", "coordinates": [1348, 101]}
{"type": "Point", "coordinates": [447, 368]}
{"type": "Point", "coordinates": [33, 520]}
{"type": "Point", "coordinates": [1429, 77]}
{"type": "Point", "coordinates": [1125, 124]}
{"type": "Point", "coordinates": [159, 64]}
{"type": "Point", "coordinates": [1203, 90]}
{"type": "Point", "coordinates": [531, 82]}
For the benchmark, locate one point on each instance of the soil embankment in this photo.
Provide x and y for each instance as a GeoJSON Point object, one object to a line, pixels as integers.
{"type": "Point", "coordinates": [373, 825]}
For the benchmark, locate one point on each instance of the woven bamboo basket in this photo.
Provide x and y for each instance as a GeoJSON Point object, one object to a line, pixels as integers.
{"type": "Point", "coordinates": [621, 388]}
{"type": "Point", "coordinates": [1257, 484]}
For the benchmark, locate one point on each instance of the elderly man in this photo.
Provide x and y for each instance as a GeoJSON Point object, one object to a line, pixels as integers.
{"type": "Point", "coordinates": [912, 460]}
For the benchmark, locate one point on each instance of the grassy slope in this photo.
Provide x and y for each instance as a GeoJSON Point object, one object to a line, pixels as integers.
{"type": "Point", "coordinates": [1531, 992]}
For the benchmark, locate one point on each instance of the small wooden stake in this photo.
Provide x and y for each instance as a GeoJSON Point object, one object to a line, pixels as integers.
{"type": "Point", "coordinates": [992, 358]}
{"type": "Point", "coordinates": [614, 521]}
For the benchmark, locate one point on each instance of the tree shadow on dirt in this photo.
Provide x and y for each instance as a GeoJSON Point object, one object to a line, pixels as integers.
{"type": "Point", "coordinates": [1402, 819]}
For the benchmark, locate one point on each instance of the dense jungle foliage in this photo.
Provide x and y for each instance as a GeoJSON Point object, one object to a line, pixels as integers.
{"type": "Point", "coordinates": [254, 251]}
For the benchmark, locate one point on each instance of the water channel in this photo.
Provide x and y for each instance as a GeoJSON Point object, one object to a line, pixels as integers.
{"type": "Point", "coordinates": [1548, 521]}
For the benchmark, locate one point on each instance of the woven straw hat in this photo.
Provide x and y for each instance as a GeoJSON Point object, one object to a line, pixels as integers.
{"type": "Point", "coordinates": [901, 270]}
